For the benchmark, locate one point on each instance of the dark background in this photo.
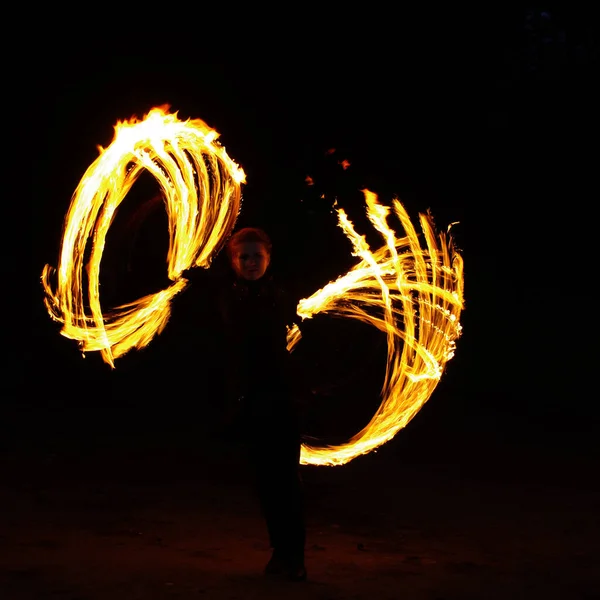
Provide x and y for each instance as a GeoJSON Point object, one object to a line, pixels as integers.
{"type": "Point", "coordinates": [488, 119]}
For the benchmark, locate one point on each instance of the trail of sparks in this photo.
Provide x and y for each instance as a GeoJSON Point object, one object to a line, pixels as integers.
{"type": "Point", "coordinates": [417, 287]}
{"type": "Point", "coordinates": [201, 186]}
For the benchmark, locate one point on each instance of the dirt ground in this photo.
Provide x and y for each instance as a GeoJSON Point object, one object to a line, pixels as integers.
{"type": "Point", "coordinates": [398, 523]}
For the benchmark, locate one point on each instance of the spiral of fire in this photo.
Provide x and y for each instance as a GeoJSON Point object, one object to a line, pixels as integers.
{"type": "Point", "coordinates": [201, 186]}
{"type": "Point", "coordinates": [411, 289]}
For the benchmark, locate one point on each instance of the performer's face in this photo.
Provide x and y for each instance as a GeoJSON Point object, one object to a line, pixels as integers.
{"type": "Point", "coordinates": [250, 260]}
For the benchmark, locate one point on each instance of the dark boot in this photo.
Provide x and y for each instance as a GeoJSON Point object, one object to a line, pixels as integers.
{"type": "Point", "coordinates": [283, 565]}
{"type": "Point", "coordinates": [296, 572]}
{"type": "Point", "coordinates": [277, 565]}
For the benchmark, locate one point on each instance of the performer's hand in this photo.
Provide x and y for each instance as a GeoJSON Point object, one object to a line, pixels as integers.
{"type": "Point", "coordinates": [189, 274]}
{"type": "Point", "coordinates": [194, 274]}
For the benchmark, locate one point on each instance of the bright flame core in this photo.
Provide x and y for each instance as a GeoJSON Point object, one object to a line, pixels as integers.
{"type": "Point", "coordinates": [201, 186]}
{"type": "Point", "coordinates": [418, 288]}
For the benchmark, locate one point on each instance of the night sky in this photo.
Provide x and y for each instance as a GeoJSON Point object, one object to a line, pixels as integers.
{"type": "Point", "coordinates": [484, 119]}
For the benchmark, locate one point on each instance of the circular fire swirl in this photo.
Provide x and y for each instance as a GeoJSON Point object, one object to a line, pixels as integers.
{"type": "Point", "coordinates": [201, 186]}
{"type": "Point", "coordinates": [412, 291]}
{"type": "Point", "coordinates": [411, 288]}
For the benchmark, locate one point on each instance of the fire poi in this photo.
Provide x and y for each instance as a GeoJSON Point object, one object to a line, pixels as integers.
{"type": "Point", "coordinates": [410, 288]}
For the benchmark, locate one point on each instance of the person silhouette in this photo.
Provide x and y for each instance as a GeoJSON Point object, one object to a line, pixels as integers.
{"type": "Point", "coordinates": [261, 394]}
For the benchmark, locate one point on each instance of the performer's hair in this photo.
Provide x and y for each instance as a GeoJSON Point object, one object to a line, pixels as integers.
{"type": "Point", "coordinates": [248, 234]}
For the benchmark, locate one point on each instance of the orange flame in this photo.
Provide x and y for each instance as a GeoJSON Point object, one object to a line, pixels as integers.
{"type": "Point", "coordinates": [201, 186]}
{"type": "Point", "coordinates": [418, 287]}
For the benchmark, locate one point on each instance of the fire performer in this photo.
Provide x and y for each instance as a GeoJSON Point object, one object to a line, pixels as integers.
{"type": "Point", "coordinates": [260, 386]}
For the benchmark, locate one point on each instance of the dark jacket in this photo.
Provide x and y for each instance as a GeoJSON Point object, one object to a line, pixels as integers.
{"type": "Point", "coordinates": [255, 317]}
{"type": "Point", "coordinates": [244, 325]}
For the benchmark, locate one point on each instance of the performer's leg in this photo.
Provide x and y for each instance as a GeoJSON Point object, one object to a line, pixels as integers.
{"type": "Point", "coordinates": [283, 500]}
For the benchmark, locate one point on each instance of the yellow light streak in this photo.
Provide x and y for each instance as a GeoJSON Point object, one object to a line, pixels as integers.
{"type": "Point", "coordinates": [417, 286]}
{"type": "Point", "coordinates": [201, 186]}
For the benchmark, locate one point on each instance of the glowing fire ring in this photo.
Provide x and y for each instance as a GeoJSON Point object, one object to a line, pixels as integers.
{"type": "Point", "coordinates": [412, 291]}
{"type": "Point", "coordinates": [201, 186]}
